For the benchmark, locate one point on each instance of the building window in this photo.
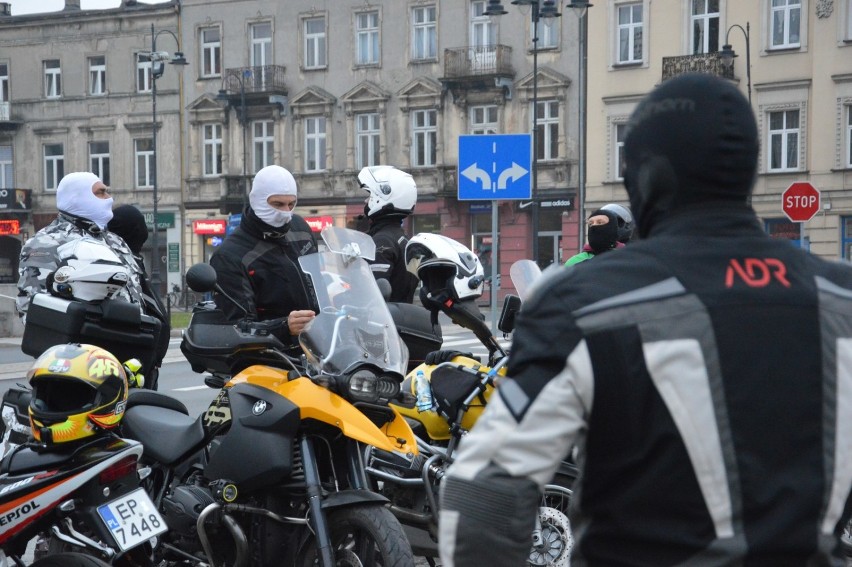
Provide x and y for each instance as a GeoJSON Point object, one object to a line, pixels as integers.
{"type": "Point", "coordinates": [97, 75]}
{"type": "Point", "coordinates": [548, 33]}
{"type": "Point", "coordinates": [4, 84]}
{"type": "Point", "coordinates": [7, 175]}
{"type": "Point", "coordinates": [424, 137]}
{"type": "Point", "coordinates": [848, 6]}
{"type": "Point", "coordinates": [846, 237]}
{"type": "Point", "coordinates": [367, 38]}
{"type": "Point", "coordinates": [483, 119]}
{"type": "Point", "coordinates": [424, 37]}
{"type": "Point", "coordinates": [547, 137]}
{"type": "Point", "coordinates": [630, 33]}
{"type": "Point", "coordinates": [315, 144]}
{"type": "Point", "coordinates": [618, 157]}
{"type": "Point", "coordinates": [144, 150]}
{"type": "Point", "coordinates": [99, 160]}
{"type": "Point", "coordinates": [263, 143]}
{"type": "Point", "coordinates": [705, 26]}
{"type": "Point", "coordinates": [52, 79]}
{"type": "Point", "coordinates": [849, 136]}
{"type": "Point", "coordinates": [786, 22]}
{"type": "Point", "coordinates": [261, 44]}
{"type": "Point", "coordinates": [783, 228]}
{"type": "Point", "coordinates": [211, 52]}
{"type": "Point", "coordinates": [143, 73]}
{"type": "Point", "coordinates": [784, 140]}
{"type": "Point", "coordinates": [212, 150]}
{"type": "Point", "coordinates": [368, 137]}
{"type": "Point", "coordinates": [54, 165]}
{"type": "Point", "coordinates": [315, 57]}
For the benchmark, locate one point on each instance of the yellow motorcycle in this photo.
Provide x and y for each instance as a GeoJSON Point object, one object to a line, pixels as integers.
{"type": "Point", "coordinates": [272, 473]}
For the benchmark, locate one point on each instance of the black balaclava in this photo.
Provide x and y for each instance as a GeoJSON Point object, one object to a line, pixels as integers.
{"type": "Point", "coordinates": [603, 237]}
{"type": "Point", "coordinates": [129, 223]}
{"type": "Point", "coordinates": [692, 140]}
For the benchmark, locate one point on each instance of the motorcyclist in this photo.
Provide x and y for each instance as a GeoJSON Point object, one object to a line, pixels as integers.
{"type": "Point", "coordinates": [602, 236]}
{"type": "Point", "coordinates": [392, 196]}
{"type": "Point", "coordinates": [85, 208]}
{"type": "Point", "coordinates": [625, 221]}
{"type": "Point", "coordinates": [129, 223]}
{"type": "Point", "coordinates": [699, 371]}
{"type": "Point", "coordinates": [257, 264]}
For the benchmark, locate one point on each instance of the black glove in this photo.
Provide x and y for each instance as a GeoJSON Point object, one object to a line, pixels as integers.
{"type": "Point", "coordinates": [439, 356]}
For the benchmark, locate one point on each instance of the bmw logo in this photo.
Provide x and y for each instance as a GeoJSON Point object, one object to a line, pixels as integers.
{"type": "Point", "coordinates": [259, 407]}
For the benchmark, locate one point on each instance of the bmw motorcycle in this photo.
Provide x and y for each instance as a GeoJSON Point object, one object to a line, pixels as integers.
{"type": "Point", "coordinates": [460, 389]}
{"type": "Point", "coordinates": [272, 472]}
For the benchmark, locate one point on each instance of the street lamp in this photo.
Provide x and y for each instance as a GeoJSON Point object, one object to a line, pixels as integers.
{"type": "Point", "coordinates": [727, 54]}
{"type": "Point", "coordinates": [540, 9]}
{"type": "Point", "coordinates": [242, 117]}
{"type": "Point", "coordinates": [582, 9]}
{"type": "Point", "coordinates": [158, 59]}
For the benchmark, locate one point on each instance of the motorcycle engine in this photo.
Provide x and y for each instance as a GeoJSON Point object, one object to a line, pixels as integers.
{"type": "Point", "coordinates": [181, 509]}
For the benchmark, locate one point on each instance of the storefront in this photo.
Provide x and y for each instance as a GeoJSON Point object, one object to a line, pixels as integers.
{"type": "Point", "coordinates": [15, 206]}
{"type": "Point", "coordinates": [211, 233]}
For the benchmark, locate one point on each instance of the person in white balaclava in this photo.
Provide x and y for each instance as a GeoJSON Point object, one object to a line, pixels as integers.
{"type": "Point", "coordinates": [85, 208]}
{"type": "Point", "coordinates": [257, 264]}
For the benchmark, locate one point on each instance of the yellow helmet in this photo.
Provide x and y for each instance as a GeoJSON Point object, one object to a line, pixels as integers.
{"type": "Point", "coordinates": [78, 389]}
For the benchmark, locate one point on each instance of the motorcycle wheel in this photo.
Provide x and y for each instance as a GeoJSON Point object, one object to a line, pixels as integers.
{"type": "Point", "coordinates": [70, 560]}
{"type": "Point", "coordinates": [557, 541]}
{"type": "Point", "coordinates": [846, 540]}
{"type": "Point", "coordinates": [363, 536]}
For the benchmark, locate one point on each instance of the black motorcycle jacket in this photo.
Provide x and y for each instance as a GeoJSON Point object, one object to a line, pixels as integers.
{"type": "Point", "coordinates": [257, 265]}
{"type": "Point", "coordinates": [390, 258]}
{"type": "Point", "coordinates": [705, 376]}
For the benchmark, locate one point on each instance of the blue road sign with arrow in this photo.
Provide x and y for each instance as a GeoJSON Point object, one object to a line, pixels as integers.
{"type": "Point", "coordinates": [494, 166]}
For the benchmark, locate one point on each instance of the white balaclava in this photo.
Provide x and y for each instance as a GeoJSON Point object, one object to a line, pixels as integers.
{"type": "Point", "coordinates": [74, 196]}
{"type": "Point", "coordinates": [271, 180]}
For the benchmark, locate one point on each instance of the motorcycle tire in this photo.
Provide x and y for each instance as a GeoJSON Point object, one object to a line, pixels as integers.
{"type": "Point", "coordinates": [557, 541]}
{"type": "Point", "coordinates": [70, 560]}
{"type": "Point", "coordinates": [846, 540]}
{"type": "Point", "coordinates": [353, 527]}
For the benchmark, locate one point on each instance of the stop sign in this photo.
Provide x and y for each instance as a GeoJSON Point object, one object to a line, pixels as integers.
{"type": "Point", "coordinates": [800, 201]}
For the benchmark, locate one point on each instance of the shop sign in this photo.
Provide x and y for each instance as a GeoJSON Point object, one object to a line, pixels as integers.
{"type": "Point", "coordinates": [557, 204]}
{"type": "Point", "coordinates": [319, 223]}
{"type": "Point", "coordinates": [209, 226]}
{"type": "Point", "coordinates": [164, 220]}
{"type": "Point", "coordinates": [234, 222]}
{"type": "Point", "coordinates": [15, 200]}
{"type": "Point", "coordinates": [9, 226]}
{"type": "Point", "coordinates": [174, 257]}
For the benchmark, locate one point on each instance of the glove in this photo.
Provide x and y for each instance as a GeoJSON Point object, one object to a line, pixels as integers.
{"type": "Point", "coordinates": [439, 356]}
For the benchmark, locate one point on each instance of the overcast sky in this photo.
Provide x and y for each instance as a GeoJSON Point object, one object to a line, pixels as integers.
{"type": "Point", "coordinates": [34, 6]}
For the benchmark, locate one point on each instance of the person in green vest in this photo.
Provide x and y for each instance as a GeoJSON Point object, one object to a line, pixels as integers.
{"type": "Point", "coordinates": [602, 236]}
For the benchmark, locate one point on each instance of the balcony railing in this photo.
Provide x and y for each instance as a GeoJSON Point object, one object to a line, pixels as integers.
{"type": "Point", "coordinates": [258, 79]}
{"type": "Point", "coordinates": [700, 63]}
{"type": "Point", "coordinates": [477, 61]}
{"type": "Point", "coordinates": [5, 111]}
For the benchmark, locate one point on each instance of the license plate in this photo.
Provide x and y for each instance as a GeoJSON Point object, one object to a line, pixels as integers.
{"type": "Point", "coordinates": [132, 519]}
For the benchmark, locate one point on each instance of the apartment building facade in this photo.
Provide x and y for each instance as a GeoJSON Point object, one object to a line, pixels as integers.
{"type": "Point", "coordinates": [799, 84]}
{"type": "Point", "coordinates": [76, 95]}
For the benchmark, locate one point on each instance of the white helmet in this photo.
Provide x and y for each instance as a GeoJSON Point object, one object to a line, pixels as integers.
{"type": "Point", "coordinates": [391, 189]}
{"type": "Point", "coordinates": [444, 265]}
{"type": "Point", "coordinates": [625, 221]}
{"type": "Point", "coordinates": [89, 270]}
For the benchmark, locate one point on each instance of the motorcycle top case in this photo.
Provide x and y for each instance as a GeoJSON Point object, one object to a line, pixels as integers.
{"type": "Point", "coordinates": [112, 324]}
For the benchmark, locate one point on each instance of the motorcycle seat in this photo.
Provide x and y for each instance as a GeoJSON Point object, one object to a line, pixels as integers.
{"type": "Point", "coordinates": [166, 434]}
{"type": "Point", "coordinates": [26, 459]}
{"type": "Point", "coordinates": [154, 398]}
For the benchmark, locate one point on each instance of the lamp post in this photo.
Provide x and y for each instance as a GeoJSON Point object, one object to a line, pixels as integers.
{"type": "Point", "coordinates": [582, 9]}
{"type": "Point", "coordinates": [539, 9]}
{"type": "Point", "coordinates": [158, 58]}
{"type": "Point", "coordinates": [242, 117]}
{"type": "Point", "coordinates": [727, 54]}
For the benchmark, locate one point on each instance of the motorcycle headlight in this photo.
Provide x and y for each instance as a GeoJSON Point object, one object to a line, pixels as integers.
{"type": "Point", "coordinates": [367, 386]}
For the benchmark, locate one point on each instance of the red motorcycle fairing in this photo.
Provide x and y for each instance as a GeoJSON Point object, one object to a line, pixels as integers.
{"type": "Point", "coordinates": [33, 483]}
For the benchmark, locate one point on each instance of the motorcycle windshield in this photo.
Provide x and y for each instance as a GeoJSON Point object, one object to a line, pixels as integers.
{"type": "Point", "coordinates": [353, 325]}
{"type": "Point", "coordinates": [523, 274]}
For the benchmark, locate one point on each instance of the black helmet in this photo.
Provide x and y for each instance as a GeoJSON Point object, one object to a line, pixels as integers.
{"type": "Point", "coordinates": [625, 221]}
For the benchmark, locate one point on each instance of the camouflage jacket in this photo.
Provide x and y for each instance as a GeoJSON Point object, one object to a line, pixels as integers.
{"type": "Point", "coordinates": [39, 256]}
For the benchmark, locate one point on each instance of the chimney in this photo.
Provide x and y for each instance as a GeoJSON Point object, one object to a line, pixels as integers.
{"type": "Point", "coordinates": [5, 9]}
{"type": "Point", "coordinates": [72, 5]}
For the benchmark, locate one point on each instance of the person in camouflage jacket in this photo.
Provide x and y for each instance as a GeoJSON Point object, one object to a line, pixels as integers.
{"type": "Point", "coordinates": [85, 208]}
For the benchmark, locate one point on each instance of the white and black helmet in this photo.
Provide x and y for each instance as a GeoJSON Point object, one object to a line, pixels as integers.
{"type": "Point", "coordinates": [444, 266]}
{"type": "Point", "coordinates": [625, 221]}
{"type": "Point", "coordinates": [391, 190]}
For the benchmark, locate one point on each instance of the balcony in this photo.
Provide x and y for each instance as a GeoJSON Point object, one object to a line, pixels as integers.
{"type": "Point", "coordinates": [258, 80]}
{"type": "Point", "coordinates": [234, 198]}
{"type": "Point", "coordinates": [700, 63]}
{"type": "Point", "coordinates": [477, 67]}
{"type": "Point", "coordinates": [6, 122]}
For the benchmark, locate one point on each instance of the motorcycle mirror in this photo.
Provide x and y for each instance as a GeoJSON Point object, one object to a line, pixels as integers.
{"type": "Point", "coordinates": [201, 278]}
